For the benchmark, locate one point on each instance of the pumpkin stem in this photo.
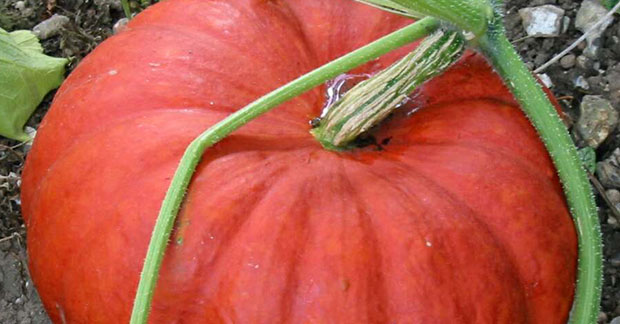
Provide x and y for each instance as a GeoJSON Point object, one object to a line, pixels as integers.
{"type": "Point", "coordinates": [193, 153]}
{"type": "Point", "coordinates": [470, 16]}
{"type": "Point", "coordinates": [496, 46]}
{"type": "Point", "coordinates": [372, 100]}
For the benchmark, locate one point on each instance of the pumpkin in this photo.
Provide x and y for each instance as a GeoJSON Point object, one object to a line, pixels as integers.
{"type": "Point", "coordinates": [459, 219]}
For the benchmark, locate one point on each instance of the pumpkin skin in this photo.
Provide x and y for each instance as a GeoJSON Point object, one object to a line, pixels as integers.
{"type": "Point", "coordinates": [460, 219]}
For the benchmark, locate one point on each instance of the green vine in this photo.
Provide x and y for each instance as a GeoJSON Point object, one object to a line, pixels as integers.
{"type": "Point", "coordinates": [470, 16]}
{"type": "Point", "coordinates": [194, 152]}
{"type": "Point", "coordinates": [534, 102]}
{"type": "Point", "coordinates": [479, 17]}
{"type": "Point", "coordinates": [126, 8]}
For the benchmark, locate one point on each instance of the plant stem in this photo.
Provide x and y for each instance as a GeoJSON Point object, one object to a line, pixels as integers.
{"type": "Point", "coordinates": [126, 8]}
{"type": "Point", "coordinates": [468, 15]}
{"type": "Point", "coordinates": [372, 100]}
{"type": "Point", "coordinates": [193, 154]}
{"type": "Point", "coordinates": [578, 192]}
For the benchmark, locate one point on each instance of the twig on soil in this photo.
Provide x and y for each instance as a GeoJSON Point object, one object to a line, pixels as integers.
{"type": "Point", "coordinates": [522, 39]}
{"type": "Point", "coordinates": [12, 150]}
{"type": "Point", "coordinates": [12, 236]}
{"type": "Point", "coordinates": [579, 40]}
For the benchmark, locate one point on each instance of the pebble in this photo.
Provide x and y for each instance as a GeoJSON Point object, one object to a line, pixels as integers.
{"type": "Point", "coordinates": [546, 80]}
{"type": "Point", "coordinates": [614, 199]}
{"type": "Point", "coordinates": [613, 195]}
{"type": "Point", "coordinates": [20, 5]}
{"type": "Point", "coordinates": [582, 83]}
{"type": "Point", "coordinates": [565, 24]}
{"type": "Point", "coordinates": [608, 171]}
{"type": "Point", "coordinates": [51, 26]}
{"type": "Point", "coordinates": [32, 132]}
{"type": "Point", "coordinates": [589, 14]}
{"type": "Point", "coordinates": [615, 320]}
{"type": "Point", "coordinates": [602, 318]}
{"type": "Point", "coordinates": [613, 80]}
{"type": "Point", "coordinates": [568, 61]}
{"type": "Point", "coordinates": [597, 120]}
{"type": "Point", "coordinates": [584, 63]}
{"type": "Point", "coordinates": [120, 25]}
{"type": "Point", "coordinates": [542, 21]}
{"type": "Point", "coordinates": [114, 4]}
{"type": "Point", "coordinates": [598, 84]}
{"type": "Point", "coordinates": [615, 260]}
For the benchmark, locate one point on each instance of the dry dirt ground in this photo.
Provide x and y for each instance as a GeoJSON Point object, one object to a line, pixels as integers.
{"type": "Point", "coordinates": [92, 21]}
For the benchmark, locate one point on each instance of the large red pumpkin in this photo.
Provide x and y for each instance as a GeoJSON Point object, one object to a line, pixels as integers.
{"type": "Point", "coordinates": [460, 219]}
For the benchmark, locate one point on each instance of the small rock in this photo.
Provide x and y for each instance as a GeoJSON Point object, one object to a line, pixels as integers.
{"type": "Point", "coordinates": [615, 320]}
{"type": "Point", "coordinates": [568, 61]}
{"type": "Point", "coordinates": [20, 5]}
{"type": "Point", "coordinates": [597, 120]}
{"type": "Point", "coordinates": [582, 45]}
{"type": "Point", "coordinates": [120, 25]}
{"type": "Point", "coordinates": [602, 318]}
{"type": "Point", "coordinates": [613, 80]}
{"type": "Point", "coordinates": [584, 63]}
{"type": "Point", "coordinates": [114, 4]}
{"type": "Point", "coordinates": [546, 80]}
{"type": "Point", "coordinates": [589, 14]}
{"type": "Point", "coordinates": [608, 171]}
{"type": "Point", "coordinates": [543, 21]}
{"type": "Point", "coordinates": [613, 195]}
{"type": "Point", "coordinates": [565, 24]}
{"type": "Point", "coordinates": [32, 132]}
{"type": "Point", "coordinates": [50, 27]}
{"type": "Point", "coordinates": [581, 82]}
{"type": "Point", "coordinates": [598, 83]}
{"type": "Point", "coordinates": [615, 260]}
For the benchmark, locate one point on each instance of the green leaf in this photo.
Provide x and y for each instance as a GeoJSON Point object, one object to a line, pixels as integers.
{"type": "Point", "coordinates": [588, 158]}
{"type": "Point", "coordinates": [26, 76]}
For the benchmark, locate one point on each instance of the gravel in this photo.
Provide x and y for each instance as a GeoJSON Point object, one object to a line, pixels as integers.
{"type": "Point", "coordinates": [90, 22]}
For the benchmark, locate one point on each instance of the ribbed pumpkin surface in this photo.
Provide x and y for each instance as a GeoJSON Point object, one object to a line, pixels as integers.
{"type": "Point", "coordinates": [459, 219]}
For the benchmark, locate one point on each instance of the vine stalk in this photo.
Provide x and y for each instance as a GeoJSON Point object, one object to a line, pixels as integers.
{"type": "Point", "coordinates": [542, 114]}
{"type": "Point", "coordinates": [192, 156]}
{"type": "Point", "coordinates": [491, 40]}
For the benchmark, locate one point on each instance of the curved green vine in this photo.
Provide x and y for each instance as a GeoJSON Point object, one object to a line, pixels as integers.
{"type": "Point", "coordinates": [542, 114]}
{"type": "Point", "coordinates": [535, 104]}
{"type": "Point", "coordinates": [194, 152]}
{"type": "Point", "coordinates": [493, 43]}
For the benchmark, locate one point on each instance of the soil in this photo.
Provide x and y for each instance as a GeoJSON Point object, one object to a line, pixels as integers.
{"type": "Point", "coordinates": [92, 22]}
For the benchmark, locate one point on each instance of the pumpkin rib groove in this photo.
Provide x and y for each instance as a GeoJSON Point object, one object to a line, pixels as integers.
{"type": "Point", "coordinates": [274, 14]}
{"type": "Point", "coordinates": [379, 294]}
{"type": "Point", "coordinates": [497, 151]}
{"type": "Point", "coordinates": [273, 227]}
{"type": "Point", "coordinates": [292, 275]}
{"type": "Point", "coordinates": [246, 143]}
{"type": "Point", "coordinates": [79, 141]}
{"type": "Point", "coordinates": [160, 28]}
{"type": "Point", "coordinates": [257, 198]}
{"type": "Point", "coordinates": [473, 217]}
{"type": "Point", "coordinates": [507, 251]}
{"type": "Point", "coordinates": [226, 229]}
{"type": "Point", "coordinates": [553, 217]}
